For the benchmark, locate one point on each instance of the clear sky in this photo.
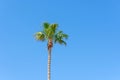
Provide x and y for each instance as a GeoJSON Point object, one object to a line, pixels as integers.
{"type": "Point", "coordinates": [93, 50]}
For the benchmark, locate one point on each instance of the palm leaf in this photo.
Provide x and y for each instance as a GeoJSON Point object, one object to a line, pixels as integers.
{"type": "Point", "coordinates": [46, 25]}
{"type": "Point", "coordinates": [59, 37]}
{"type": "Point", "coordinates": [60, 41]}
{"type": "Point", "coordinates": [65, 36]}
{"type": "Point", "coordinates": [40, 36]}
{"type": "Point", "coordinates": [54, 27]}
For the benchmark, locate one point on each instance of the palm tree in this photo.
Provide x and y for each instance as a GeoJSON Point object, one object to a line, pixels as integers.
{"type": "Point", "coordinates": [51, 35]}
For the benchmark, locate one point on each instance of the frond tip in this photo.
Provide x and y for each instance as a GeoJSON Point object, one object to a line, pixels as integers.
{"type": "Point", "coordinates": [40, 36]}
{"type": "Point", "coordinates": [46, 25]}
{"type": "Point", "coordinates": [62, 42]}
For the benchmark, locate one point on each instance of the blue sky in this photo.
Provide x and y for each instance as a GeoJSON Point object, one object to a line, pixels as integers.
{"type": "Point", "coordinates": [93, 50]}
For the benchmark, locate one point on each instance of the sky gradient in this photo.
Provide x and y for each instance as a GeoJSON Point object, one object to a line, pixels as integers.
{"type": "Point", "coordinates": [93, 47]}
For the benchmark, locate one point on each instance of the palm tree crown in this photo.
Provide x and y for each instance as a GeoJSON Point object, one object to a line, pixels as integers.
{"type": "Point", "coordinates": [50, 32]}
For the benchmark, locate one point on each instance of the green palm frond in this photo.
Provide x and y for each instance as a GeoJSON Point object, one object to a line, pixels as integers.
{"type": "Point", "coordinates": [61, 35]}
{"type": "Point", "coordinates": [40, 36]}
{"type": "Point", "coordinates": [54, 27]}
{"type": "Point", "coordinates": [46, 25]}
{"type": "Point", "coordinates": [59, 38]}
{"type": "Point", "coordinates": [60, 41]}
{"type": "Point", "coordinates": [65, 36]}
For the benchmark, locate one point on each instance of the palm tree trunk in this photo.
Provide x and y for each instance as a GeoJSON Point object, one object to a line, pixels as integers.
{"type": "Point", "coordinates": [49, 64]}
{"type": "Point", "coordinates": [50, 45]}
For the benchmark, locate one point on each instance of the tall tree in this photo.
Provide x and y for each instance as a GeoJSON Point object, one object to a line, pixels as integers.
{"type": "Point", "coordinates": [51, 35]}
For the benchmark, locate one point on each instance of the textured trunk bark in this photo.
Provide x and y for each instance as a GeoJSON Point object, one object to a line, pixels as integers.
{"type": "Point", "coordinates": [50, 45]}
{"type": "Point", "coordinates": [49, 64]}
